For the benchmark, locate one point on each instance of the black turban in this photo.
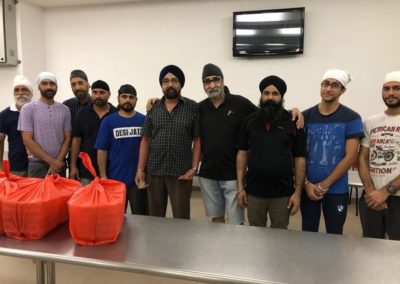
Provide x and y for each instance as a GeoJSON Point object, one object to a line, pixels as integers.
{"type": "Point", "coordinates": [273, 80]}
{"type": "Point", "coordinates": [99, 84]}
{"type": "Point", "coordinates": [173, 70]}
{"type": "Point", "coordinates": [127, 89]}
{"type": "Point", "coordinates": [78, 73]}
{"type": "Point", "coordinates": [211, 70]}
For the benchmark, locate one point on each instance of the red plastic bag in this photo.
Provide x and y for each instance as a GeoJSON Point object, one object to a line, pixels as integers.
{"type": "Point", "coordinates": [37, 207]}
{"type": "Point", "coordinates": [7, 185]}
{"type": "Point", "coordinates": [96, 211]}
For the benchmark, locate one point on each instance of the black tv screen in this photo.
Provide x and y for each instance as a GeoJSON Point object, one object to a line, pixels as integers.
{"type": "Point", "coordinates": [268, 32]}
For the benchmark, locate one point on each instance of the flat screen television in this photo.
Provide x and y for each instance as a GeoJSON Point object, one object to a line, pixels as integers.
{"type": "Point", "coordinates": [268, 32]}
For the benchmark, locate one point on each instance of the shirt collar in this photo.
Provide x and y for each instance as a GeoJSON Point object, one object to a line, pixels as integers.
{"type": "Point", "coordinates": [13, 107]}
{"type": "Point", "coordinates": [181, 100]}
{"type": "Point", "coordinates": [84, 104]}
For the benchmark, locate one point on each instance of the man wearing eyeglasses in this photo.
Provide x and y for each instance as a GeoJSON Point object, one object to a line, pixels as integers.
{"type": "Point", "coordinates": [170, 129]}
{"type": "Point", "coordinates": [380, 168]}
{"type": "Point", "coordinates": [221, 114]}
{"type": "Point", "coordinates": [333, 137]}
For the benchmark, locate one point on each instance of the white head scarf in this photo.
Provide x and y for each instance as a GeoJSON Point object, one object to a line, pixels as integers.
{"type": "Point", "coordinates": [20, 80]}
{"type": "Point", "coordinates": [342, 76]}
{"type": "Point", "coordinates": [392, 76]}
{"type": "Point", "coordinates": [46, 76]}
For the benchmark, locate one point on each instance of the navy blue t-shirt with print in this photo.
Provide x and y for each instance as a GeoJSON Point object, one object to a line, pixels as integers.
{"type": "Point", "coordinates": [326, 143]}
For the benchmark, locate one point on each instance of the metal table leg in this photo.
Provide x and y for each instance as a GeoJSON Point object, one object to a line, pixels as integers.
{"type": "Point", "coordinates": [50, 272]}
{"type": "Point", "coordinates": [40, 273]}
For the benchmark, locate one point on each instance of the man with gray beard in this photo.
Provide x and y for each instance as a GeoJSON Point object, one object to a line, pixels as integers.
{"type": "Point", "coordinates": [221, 115]}
{"type": "Point", "coordinates": [17, 155]}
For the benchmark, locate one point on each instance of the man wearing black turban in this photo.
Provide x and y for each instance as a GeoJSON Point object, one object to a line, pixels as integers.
{"type": "Point", "coordinates": [170, 130]}
{"type": "Point", "coordinates": [276, 165]}
{"type": "Point", "coordinates": [84, 131]}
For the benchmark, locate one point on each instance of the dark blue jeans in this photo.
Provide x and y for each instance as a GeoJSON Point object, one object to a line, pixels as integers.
{"type": "Point", "coordinates": [334, 207]}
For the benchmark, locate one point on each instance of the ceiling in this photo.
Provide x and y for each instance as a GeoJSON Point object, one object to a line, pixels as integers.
{"type": "Point", "coordinates": [64, 3]}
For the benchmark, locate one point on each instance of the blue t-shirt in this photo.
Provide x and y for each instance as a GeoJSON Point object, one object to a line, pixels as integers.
{"type": "Point", "coordinates": [326, 143]}
{"type": "Point", "coordinates": [121, 137]}
{"type": "Point", "coordinates": [16, 149]}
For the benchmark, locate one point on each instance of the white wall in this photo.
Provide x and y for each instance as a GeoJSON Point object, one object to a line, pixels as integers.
{"type": "Point", "coordinates": [31, 50]}
{"type": "Point", "coordinates": [131, 42]}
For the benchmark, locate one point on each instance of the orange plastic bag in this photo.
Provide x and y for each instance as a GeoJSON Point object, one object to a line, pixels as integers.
{"type": "Point", "coordinates": [7, 185]}
{"type": "Point", "coordinates": [96, 211]}
{"type": "Point", "coordinates": [37, 207]}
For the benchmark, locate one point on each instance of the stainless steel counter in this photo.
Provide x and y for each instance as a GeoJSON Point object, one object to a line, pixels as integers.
{"type": "Point", "coordinates": [211, 252]}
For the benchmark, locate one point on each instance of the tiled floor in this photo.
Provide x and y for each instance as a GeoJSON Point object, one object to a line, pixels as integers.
{"type": "Point", "coordinates": [22, 271]}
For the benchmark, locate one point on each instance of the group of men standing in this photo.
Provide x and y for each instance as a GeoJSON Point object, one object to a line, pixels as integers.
{"type": "Point", "coordinates": [245, 156]}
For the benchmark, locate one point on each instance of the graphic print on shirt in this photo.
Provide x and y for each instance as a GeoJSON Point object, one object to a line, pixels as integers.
{"type": "Point", "coordinates": [127, 132]}
{"type": "Point", "coordinates": [384, 152]}
{"type": "Point", "coordinates": [327, 142]}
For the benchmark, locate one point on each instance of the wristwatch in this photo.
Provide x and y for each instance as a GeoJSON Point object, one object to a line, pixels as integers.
{"type": "Point", "coordinates": [391, 189]}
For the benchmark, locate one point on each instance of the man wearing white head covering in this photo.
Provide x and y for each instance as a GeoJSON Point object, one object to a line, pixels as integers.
{"type": "Point", "coordinates": [333, 137]}
{"type": "Point", "coordinates": [46, 129]}
{"type": "Point", "coordinates": [8, 127]}
{"type": "Point", "coordinates": [379, 166]}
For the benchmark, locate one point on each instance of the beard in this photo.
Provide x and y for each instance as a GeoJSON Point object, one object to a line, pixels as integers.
{"type": "Point", "coordinates": [215, 93]}
{"type": "Point", "coordinates": [271, 110]}
{"type": "Point", "coordinates": [171, 93]}
{"type": "Point", "coordinates": [99, 102]}
{"type": "Point", "coordinates": [81, 94]}
{"type": "Point", "coordinates": [127, 107]}
{"type": "Point", "coordinates": [396, 104]}
{"type": "Point", "coordinates": [21, 100]}
{"type": "Point", "coordinates": [48, 94]}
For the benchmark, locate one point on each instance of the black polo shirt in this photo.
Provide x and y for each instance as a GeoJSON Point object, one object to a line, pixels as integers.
{"type": "Point", "coordinates": [171, 137]}
{"type": "Point", "coordinates": [86, 125]}
{"type": "Point", "coordinates": [271, 151]}
{"type": "Point", "coordinates": [219, 128]}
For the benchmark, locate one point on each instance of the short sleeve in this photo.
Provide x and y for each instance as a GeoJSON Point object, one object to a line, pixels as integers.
{"type": "Point", "coordinates": [300, 144]}
{"type": "Point", "coordinates": [365, 142]}
{"type": "Point", "coordinates": [242, 142]}
{"type": "Point", "coordinates": [196, 122]}
{"type": "Point", "coordinates": [147, 126]}
{"type": "Point", "coordinates": [354, 129]}
{"type": "Point", "coordinates": [25, 120]}
{"type": "Point", "coordinates": [67, 119]}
